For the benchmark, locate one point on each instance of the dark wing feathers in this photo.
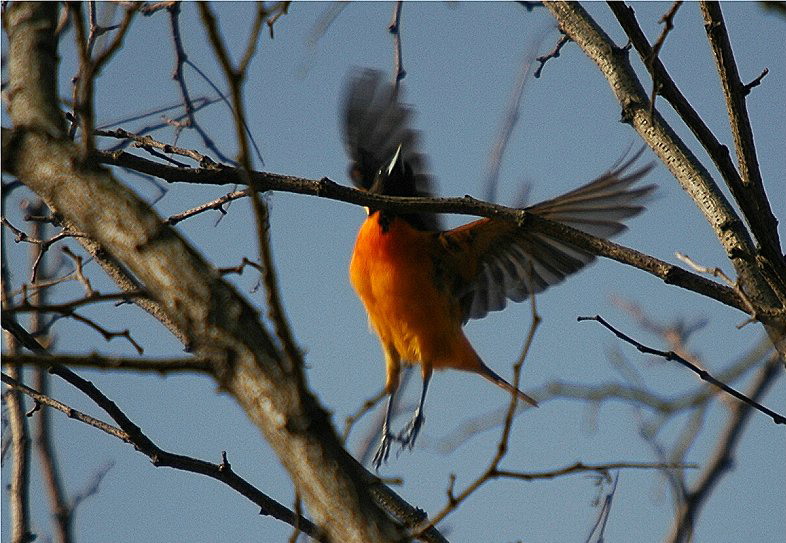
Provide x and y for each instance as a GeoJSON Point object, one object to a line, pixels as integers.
{"type": "Point", "coordinates": [489, 262]}
{"type": "Point", "coordinates": [598, 207]}
{"type": "Point", "coordinates": [497, 261]}
{"type": "Point", "coordinates": [375, 123]}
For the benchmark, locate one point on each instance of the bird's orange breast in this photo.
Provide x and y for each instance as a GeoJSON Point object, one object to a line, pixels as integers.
{"type": "Point", "coordinates": [393, 272]}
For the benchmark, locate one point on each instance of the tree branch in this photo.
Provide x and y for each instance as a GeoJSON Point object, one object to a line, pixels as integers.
{"type": "Point", "coordinates": [162, 366]}
{"type": "Point", "coordinates": [161, 458]}
{"type": "Point", "coordinates": [722, 459]}
{"type": "Point", "coordinates": [217, 323]}
{"type": "Point", "coordinates": [325, 188]}
{"type": "Point", "coordinates": [683, 164]}
{"type": "Point", "coordinates": [705, 376]}
{"type": "Point", "coordinates": [752, 200]}
{"type": "Point", "coordinates": [735, 91]}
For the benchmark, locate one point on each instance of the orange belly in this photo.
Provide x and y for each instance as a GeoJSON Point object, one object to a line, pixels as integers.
{"type": "Point", "coordinates": [393, 274]}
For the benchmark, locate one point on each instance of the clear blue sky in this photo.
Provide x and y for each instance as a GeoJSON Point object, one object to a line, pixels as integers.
{"type": "Point", "coordinates": [461, 61]}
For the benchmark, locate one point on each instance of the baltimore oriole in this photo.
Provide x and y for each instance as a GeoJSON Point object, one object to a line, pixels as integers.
{"type": "Point", "coordinates": [419, 284]}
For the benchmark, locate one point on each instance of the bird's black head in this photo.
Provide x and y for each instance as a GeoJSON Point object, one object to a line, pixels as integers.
{"type": "Point", "coordinates": [394, 178]}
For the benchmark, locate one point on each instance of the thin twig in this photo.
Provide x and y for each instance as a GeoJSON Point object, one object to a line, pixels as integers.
{"type": "Point", "coordinates": [492, 470]}
{"type": "Point", "coordinates": [19, 483]}
{"type": "Point", "coordinates": [668, 25]}
{"type": "Point", "coordinates": [722, 459]}
{"type": "Point", "coordinates": [65, 307]}
{"type": "Point", "coordinates": [602, 469]}
{"type": "Point", "coordinates": [45, 400]}
{"type": "Point", "coordinates": [253, 38]}
{"type": "Point", "coordinates": [364, 408]}
{"type": "Point", "coordinates": [703, 374]}
{"type": "Point", "coordinates": [554, 53]}
{"type": "Point", "coordinates": [162, 366]}
{"type": "Point", "coordinates": [148, 142]}
{"type": "Point", "coordinates": [217, 204]}
{"type": "Point", "coordinates": [78, 271]}
{"type": "Point", "coordinates": [394, 27]}
{"type": "Point", "coordinates": [180, 58]}
{"type": "Point", "coordinates": [717, 272]}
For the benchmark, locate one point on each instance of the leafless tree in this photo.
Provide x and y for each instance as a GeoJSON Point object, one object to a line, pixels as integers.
{"type": "Point", "coordinates": [51, 150]}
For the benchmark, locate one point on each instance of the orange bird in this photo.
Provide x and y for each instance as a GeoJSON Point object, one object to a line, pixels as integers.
{"type": "Point", "coordinates": [420, 284]}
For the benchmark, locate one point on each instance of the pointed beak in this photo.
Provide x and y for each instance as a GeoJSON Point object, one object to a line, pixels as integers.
{"type": "Point", "coordinates": [395, 161]}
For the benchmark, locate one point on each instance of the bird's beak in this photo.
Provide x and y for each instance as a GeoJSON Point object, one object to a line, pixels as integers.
{"type": "Point", "coordinates": [396, 160]}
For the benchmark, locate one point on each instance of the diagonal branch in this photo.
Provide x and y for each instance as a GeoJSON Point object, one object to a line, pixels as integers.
{"type": "Point", "coordinates": [161, 458]}
{"type": "Point", "coordinates": [752, 200]}
{"type": "Point", "coordinates": [722, 460]}
{"type": "Point", "coordinates": [694, 178]}
{"type": "Point", "coordinates": [671, 355]}
{"type": "Point", "coordinates": [325, 188]}
{"type": "Point", "coordinates": [735, 92]}
{"type": "Point", "coordinates": [215, 320]}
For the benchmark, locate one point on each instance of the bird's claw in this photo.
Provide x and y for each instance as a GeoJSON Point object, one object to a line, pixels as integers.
{"type": "Point", "coordinates": [409, 434]}
{"type": "Point", "coordinates": [383, 451]}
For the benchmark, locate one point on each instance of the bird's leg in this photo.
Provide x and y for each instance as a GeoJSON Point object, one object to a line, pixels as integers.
{"type": "Point", "coordinates": [409, 434]}
{"type": "Point", "coordinates": [383, 451]}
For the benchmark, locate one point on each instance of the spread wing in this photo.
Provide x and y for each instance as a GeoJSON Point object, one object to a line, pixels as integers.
{"type": "Point", "coordinates": [374, 124]}
{"type": "Point", "coordinates": [498, 261]}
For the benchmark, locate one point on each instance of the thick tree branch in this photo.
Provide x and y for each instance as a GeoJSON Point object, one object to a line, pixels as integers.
{"type": "Point", "coordinates": [749, 197]}
{"type": "Point", "coordinates": [692, 175]}
{"type": "Point", "coordinates": [216, 321]}
{"type": "Point", "coordinates": [161, 458]}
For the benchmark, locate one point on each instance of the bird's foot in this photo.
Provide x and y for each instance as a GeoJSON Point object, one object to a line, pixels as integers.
{"type": "Point", "coordinates": [410, 432]}
{"type": "Point", "coordinates": [383, 451]}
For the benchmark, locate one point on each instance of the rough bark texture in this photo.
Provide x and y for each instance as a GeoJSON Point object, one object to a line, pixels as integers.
{"type": "Point", "coordinates": [682, 163]}
{"type": "Point", "coordinates": [213, 318]}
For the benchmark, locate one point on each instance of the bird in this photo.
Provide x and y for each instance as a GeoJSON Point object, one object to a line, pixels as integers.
{"type": "Point", "coordinates": [420, 284]}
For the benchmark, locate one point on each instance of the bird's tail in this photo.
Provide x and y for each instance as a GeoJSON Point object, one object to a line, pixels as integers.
{"type": "Point", "coordinates": [489, 374]}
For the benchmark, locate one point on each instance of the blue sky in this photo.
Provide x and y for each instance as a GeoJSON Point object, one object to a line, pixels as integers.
{"type": "Point", "coordinates": [461, 62]}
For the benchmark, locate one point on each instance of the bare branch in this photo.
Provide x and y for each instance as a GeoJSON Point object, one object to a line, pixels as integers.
{"type": "Point", "coordinates": [756, 82]}
{"type": "Point", "coordinates": [722, 459]}
{"type": "Point", "coordinates": [66, 307]}
{"type": "Point", "coordinates": [132, 434]}
{"type": "Point", "coordinates": [217, 204]}
{"type": "Point", "coordinates": [325, 188]}
{"type": "Point", "coordinates": [492, 470]}
{"type": "Point", "coordinates": [751, 200]}
{"type": "Point", "coordinates": [161, 366]}
{"type": "Point", "coordinates": [717, 272]}
{"type": "Point", "coordinates": [42, 399]}
{"type": "Point", "coordinates": [554, 53]}
{"type": "Point", "coordinates": [253, 38]}
{"type": "Point", "coordinates": [148, 143]}
{"type": "Point", "coordinates": [394, 27]}
{"type": "Point", "coordinates": [601, 469]}
{"type": "Point", "coordinates": [19, 480]}
{"type": "Point", "coordinates": [671, 355]}
{"type": "Point", "coordinates": [668, 26]}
